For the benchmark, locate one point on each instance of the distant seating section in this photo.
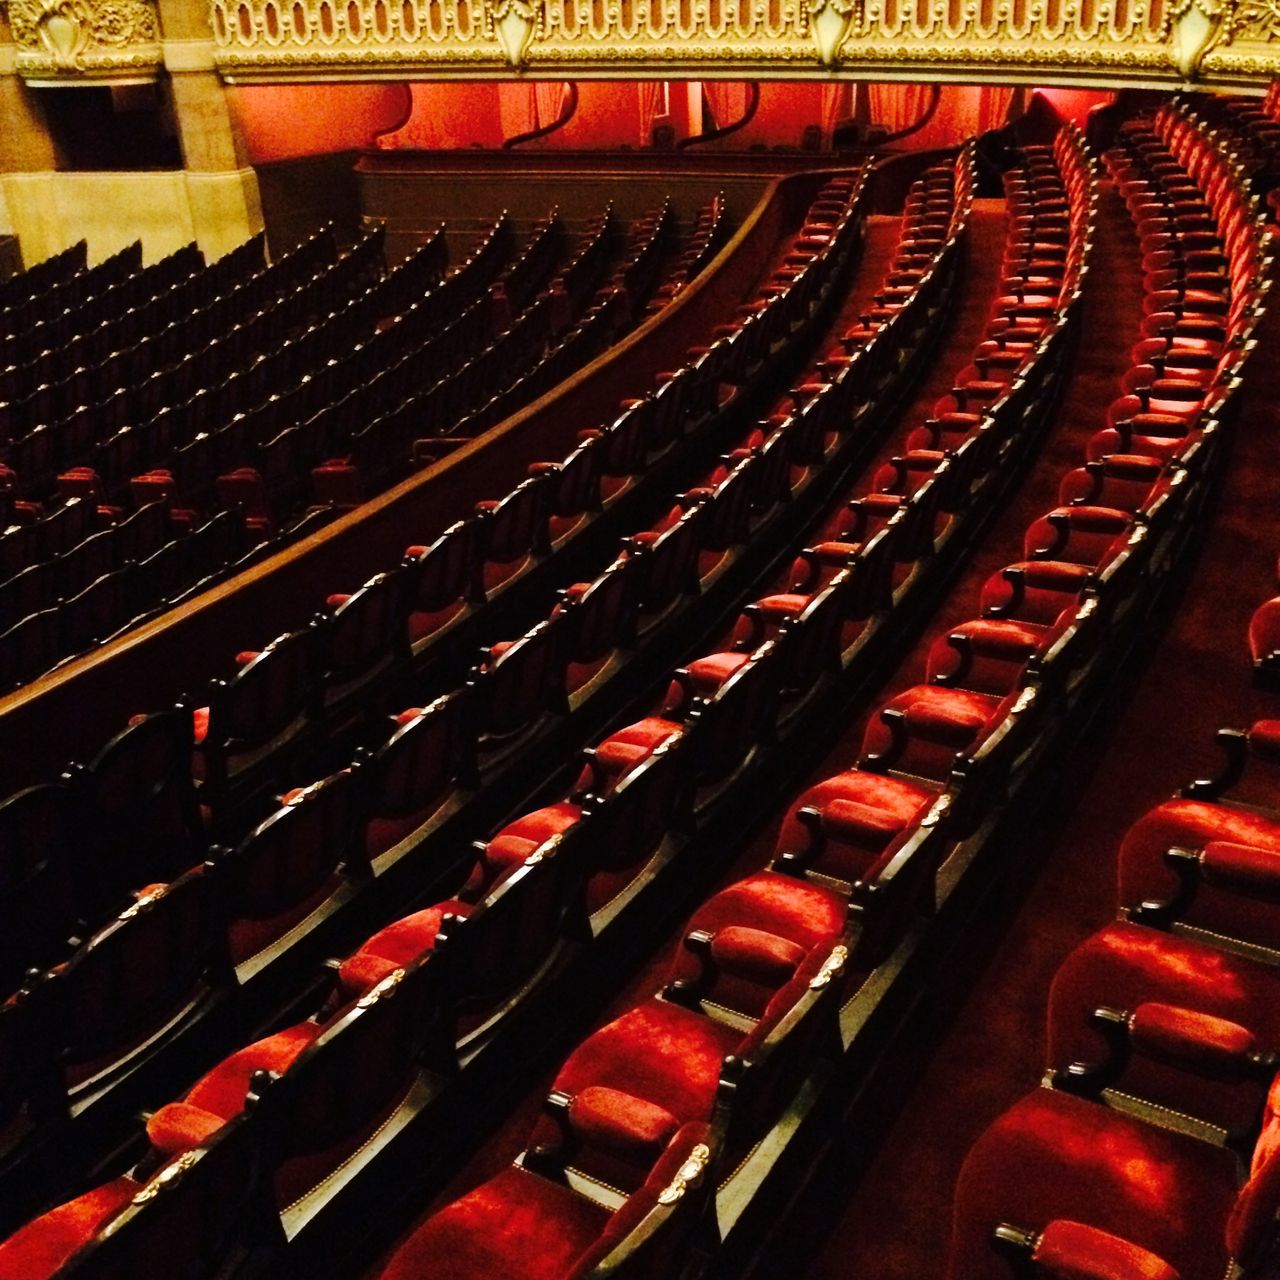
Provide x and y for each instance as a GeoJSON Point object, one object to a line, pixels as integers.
{"type": "Point", "coordinates": [158, 425]}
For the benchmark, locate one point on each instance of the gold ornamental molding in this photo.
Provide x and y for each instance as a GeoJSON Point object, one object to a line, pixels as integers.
{"type": "Point", "coordinates": [1158, 43]}
{"type": "Point", "coordinates": [70, 41]}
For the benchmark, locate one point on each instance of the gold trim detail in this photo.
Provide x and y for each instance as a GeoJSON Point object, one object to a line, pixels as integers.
{"type": "Point", "coordinates": [686, 1175]}
{"type": "Point", "coordinates": [383, 991]}
{"type": "Point", "coordinates": [832, 966]}
{"type": "Point", "coordinates": [1099, 41]}
{"type": "Point", "coordinates": [85, 39]}
{"type": "Point", "coordinates": [168, 1174]}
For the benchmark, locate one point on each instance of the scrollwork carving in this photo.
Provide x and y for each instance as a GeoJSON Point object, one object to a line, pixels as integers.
{"type": "Point", "coordinates": [70, 39]}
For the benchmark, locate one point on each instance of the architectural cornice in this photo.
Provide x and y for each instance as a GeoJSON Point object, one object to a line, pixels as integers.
{"type": "Point", "coordinates": [1105, 42]}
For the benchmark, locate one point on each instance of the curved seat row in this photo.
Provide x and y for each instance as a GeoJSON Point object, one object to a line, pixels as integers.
{"type": "Point", "coordinates": [1162, 1034]}
{"type": "Point", "coordinates": [653, 815]}
{"type": "Point", "coordinates": [751, 995]}
{"type": "Point", "coordinates": [150, 766]}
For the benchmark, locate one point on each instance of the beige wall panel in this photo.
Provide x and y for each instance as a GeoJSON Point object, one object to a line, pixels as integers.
{"type": "Point", "coordinates": [225, 209]}
{"type": "Point", "coordinates": [50, 211]}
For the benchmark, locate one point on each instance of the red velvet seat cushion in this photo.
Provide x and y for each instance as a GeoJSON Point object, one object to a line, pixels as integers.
{"type": "Point", "coordinates": [1055, 1156]}
{"type": "Point", "coordinates": [516, 1226]}
{"type": "Point", "coordinates": [1049, 587]}
{"type": "Point", "coordinates": [940, 722]}
{"type": "Point", "coordinates": [658, 1052]}
{"type": "Point", "coordinates": [635, 742]}
{"type": "Point", "coordinates": [762, 930]}
{"type": "Point", "coordinates": [1264, 630]}
{"type": "Point", "coordinates": [395, 946]}
{"type": "Point", "coordinates": [884, 808]}
{"type": "Point", "coordinates": [1193, 824]}
{"type": "Point", "coordinates": [221, 1093]}
{"type": "Point", "coordinates": [1125, 965]}
{"type": "Point", "coordinates": [43, 1245]}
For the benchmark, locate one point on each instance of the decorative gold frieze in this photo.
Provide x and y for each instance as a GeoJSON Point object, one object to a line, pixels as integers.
{"type": "Point", "coordinates": [59, 40]}
{"type": "Point", "coordinates": [1076, 41]}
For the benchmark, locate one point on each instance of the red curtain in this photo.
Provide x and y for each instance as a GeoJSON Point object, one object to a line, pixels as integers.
{"type": "Point", "coordinates": [652, 105]}
{"type": "Point", "coordinates": [837, 105]}
{"type": "Point", "coordinates": [994, 101]}
{"type": "Point", "coordinates": [549, 98]}
{"type": "Point", "coordinates": [897, 106]}
{"type": "Point", "coordinates": [517, 108]}
{"type": "Point", "coordinates": [727, 100]}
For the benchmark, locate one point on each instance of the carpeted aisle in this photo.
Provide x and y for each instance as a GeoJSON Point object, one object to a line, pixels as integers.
{"type": "Point", "coordinates": [895, 1224]}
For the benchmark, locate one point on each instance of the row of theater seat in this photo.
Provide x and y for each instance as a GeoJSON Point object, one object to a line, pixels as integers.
{"type": "Point", "coordinates": [168, 819]}
{"type": "Point", "coordinates": [22, 289]}
{"type": "Point", "coordinates": [192, 349]}
{"type": "Point", "coordinates": [385, 376]}
{"type": "Point", "coordinates": [76, 582]}
{"type": "Point", "coordinates": [591, 302]}
{"type": "Point", "coordinates": [1150, 1149]}
{"type": "Point", "coordinates": [614, 307]}
{"type": "Point", "coordinates": [940, 754]}
{"type": "Point", "coordinates": [39, 323]}
{"type": "Point", "coordinates": [710, 230]}
{"type": "Point", "coordinates": [1065, 1249]}
{"type": "Point", "coordinates": [653, 816]}
{"type": "Point", "coordinates": [751, 994]}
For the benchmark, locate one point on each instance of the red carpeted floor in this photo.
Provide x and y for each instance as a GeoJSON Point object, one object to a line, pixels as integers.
{"type": "Point", "coordinates": [895, 1224]}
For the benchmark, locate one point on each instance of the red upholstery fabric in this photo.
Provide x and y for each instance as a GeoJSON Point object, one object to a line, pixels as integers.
{"type": "Point", "coordinates": [620, 1123]}
{"type": "Point", "coordinates": [42, 1246]}
{"type": "Point", "coordinates": [884, 807]}
{"type": "Point", "coordinates": [1203, 1042]}
{"type": "Point", "coordinates": [517, 1225]}
{"type": "Point", "coordinates": [1125, 965]}
{"type": "Point", "coordinates": [1055, 1156]}
{"type": "Point", "coordinates": [658, 1052]}
{"type": "Point", "coordinates": [1049, 588]}
{"type": "Point", "coordinates": [221, 1093]}
{"type": "Point", "coordinates": [1072, 1251]}
{"type": "Point", "coordinates": [1251, 1230]}
{"type": "Point", "coordinates": [395, 946]}
{"type": "Point", "coordinates": [518, 839]}
{"type": "Point", "coordinates": [1265, 630]}
{"type": "Point", "coordinates": [939, 721]}
{"type": "Point", "coordinates": [635, 742]}
{"type": "Point", "coordinates": [629, 1216]}
{"type": "Point", "coordinates": [1193, 824]}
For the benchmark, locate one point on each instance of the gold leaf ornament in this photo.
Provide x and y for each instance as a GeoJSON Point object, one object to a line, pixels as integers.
{"type": "Point", "coordinates": [830, 22]}
{"type": "Point", "coordinates": [515, 23]}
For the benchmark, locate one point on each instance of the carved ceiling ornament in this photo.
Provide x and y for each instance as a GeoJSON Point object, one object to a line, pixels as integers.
{"type": "Point", "coordinates": [514, 24]}
{"type": "Point", "coordinates": [1223, 43]}
{"type": "Point", "coordinates": [71, 40]}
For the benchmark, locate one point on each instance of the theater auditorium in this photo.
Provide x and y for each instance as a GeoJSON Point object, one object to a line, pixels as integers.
{"type": "Point", "coordinates": [639, 640]}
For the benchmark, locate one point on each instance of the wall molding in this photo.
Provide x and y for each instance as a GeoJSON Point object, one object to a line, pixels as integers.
{"type": "Point", "coordinates": [1110, 43]}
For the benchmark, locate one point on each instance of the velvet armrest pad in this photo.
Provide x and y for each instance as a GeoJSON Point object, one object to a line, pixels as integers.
{"type": "Point", "coordinates": [1073, 1251]}
{"type": "Point", "coordinates": [1242, 867]}
{"type": "Point", "coordinates": [1196, 1040]}
{"type": "Point", "coordinates": [179, 1127]}
{"type": "Point", "coordinates": [621, 1123]}
{"type": "Point", "coordinates": [852, 822]}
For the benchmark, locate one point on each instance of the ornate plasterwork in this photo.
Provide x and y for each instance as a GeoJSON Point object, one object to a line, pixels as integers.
{"type": "Point", "coordinates": [58, 40]}
{"type": "Point", "coordinates": [1090, 41]}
